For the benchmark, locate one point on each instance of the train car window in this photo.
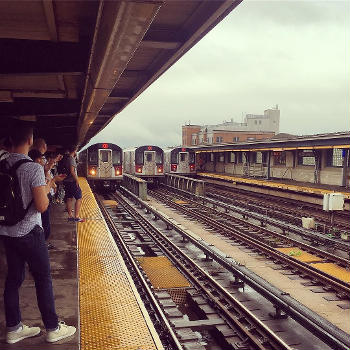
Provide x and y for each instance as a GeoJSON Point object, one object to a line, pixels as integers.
{"type": "Point", "coordinates": [149, 157]}
{"type": "Point", "coordinates": [174, 157]}
{"type": "Point", "coordinates": [259, 158]}
{"type": "Point", "coordinates": [138, 157]}
{"type": "Point", "coordinates": [192, 157]}
{"type": "Point", "coordinates": [93, 158]}
{"type": "Point", "coordinates": [279, 158]}
{"type": "Point", "coordinates": [104, 156]}
{"type": "Point", "coordinates": [335, 157]}
{"type": "Point", "coordinates": [182, 157]}
{"type": "Point", "coordinates": [117, 157]}
{"type": "Point", "coordinates": [306, 157]}
{"type": "Point", "coordinates": [159, 157]}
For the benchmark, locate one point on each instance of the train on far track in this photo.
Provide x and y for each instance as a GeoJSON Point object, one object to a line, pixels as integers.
{"type": "Point", "coordinates": [180, 161]}
{"type": "Point", "coordinates": [102, 165]}
{"type": "Point", "coordinates": [146, 162]}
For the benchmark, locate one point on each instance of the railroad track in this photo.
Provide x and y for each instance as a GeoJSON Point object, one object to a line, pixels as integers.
{"type": "Point", "coordinates": [206, 280]}
{"type": "Point", "coordinates": [238, 327]}
{"type": "Point", "coordinates": [282, 208]}
{"type": "Point", "coordinates": [259, 239]}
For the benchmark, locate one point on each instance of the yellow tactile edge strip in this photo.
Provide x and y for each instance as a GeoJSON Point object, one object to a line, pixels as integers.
{"type": "Point", "coordinates": [272, 184]}
{"type": "Point", "coordinates": [112, 314]}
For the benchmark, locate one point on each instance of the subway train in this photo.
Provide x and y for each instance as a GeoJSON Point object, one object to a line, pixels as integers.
{"type": "Point", "coordinates": [180, 160]}
{"type": "Point", "coordinates": [146, 162]}
{"type": "Point", "coordinates": [102, 165]}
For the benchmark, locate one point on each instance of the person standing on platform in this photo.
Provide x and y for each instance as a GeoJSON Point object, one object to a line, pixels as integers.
{"type": "Point", "coordinates": [24, 241]}
{"type": "Point", "coordinates": [68, 165]}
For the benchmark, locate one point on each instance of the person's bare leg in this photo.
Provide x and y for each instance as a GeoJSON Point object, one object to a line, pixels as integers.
{"type": "Point", "coordinates": [77, 207]}
{"type": "Point", "coordinates": [69, 203]}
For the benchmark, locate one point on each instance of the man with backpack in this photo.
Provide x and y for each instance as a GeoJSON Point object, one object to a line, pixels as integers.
{"type": "Point", "coordinates": [23, 196]}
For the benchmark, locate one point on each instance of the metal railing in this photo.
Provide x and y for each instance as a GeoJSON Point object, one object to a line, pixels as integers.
{"type": "Point", "coordinates": [194, 186]}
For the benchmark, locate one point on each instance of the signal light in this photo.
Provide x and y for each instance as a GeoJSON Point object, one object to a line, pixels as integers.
{"type": "Point", "coordinates": [138, 169]}
{"type": "Point", "coordinates": [118, 170]}
{"type": "Point", "coordinates": [173, 167]}
{"type": "Point", "coordinates": [192, 167]}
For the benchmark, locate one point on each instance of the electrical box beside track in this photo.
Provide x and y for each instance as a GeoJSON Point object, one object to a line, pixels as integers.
{"type": "Point", "coordinates": [333, 201]}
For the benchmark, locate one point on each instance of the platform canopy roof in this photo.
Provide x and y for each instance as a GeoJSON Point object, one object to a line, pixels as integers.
{"type": "Point", "coordinates": [71, 66]}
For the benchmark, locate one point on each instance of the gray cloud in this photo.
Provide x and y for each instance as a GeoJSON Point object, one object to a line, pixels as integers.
{"type": "Point", "coordinates": [291, 53]}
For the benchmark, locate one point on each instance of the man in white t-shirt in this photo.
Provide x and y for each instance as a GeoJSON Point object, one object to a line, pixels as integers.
{"type": "Point", "coordinates": [24, 242]}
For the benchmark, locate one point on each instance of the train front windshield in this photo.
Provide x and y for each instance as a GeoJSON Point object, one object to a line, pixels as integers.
{"type": "Point", "coordinates": [93, 158]}
{"type": "Point", "coordinates": [117, 158]}
{"type": "Point", "coordinates": [159, 157]}
{"type": "Point", "coordinates": [192, 157]}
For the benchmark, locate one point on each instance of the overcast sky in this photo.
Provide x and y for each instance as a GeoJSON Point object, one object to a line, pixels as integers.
{"type": "Point", "coordinates": [291, 53]}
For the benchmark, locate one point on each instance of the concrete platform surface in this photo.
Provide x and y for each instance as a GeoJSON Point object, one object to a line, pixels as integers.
{"type": "Point", "coordinates": [63, 259]}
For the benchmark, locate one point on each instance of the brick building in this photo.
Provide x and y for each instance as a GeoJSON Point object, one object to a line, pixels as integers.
{"type": "Point", "coordinates": [254, 127]}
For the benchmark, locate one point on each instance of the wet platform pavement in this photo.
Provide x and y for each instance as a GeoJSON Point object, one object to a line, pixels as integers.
{"type": "Point", "coordinates": [63, 259]}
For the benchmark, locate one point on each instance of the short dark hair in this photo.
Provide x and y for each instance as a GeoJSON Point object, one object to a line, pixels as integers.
{"type": "Point", "coordinates": [6, 142]}
{"type": "Point", "coordinates": [34, 154]}
{"type": "Point", "coordinates": [20, 133]}
{"type": "Point", "coordinates": [38, 142]}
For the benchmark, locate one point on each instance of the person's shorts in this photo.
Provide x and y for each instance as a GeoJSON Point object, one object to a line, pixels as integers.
{"type": "Point", "coordinates": [72, 190]}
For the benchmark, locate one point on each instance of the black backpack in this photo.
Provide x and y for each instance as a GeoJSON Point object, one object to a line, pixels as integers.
{"type": "Point", "coordinates": [12, 210]}
{"type": "Point", "coordinates": [63, 166]}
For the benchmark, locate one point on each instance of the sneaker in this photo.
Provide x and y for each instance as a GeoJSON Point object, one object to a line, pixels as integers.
{"type": "Point", "coordinates": [79, 220]}
{"type": "Point", "coordinates": [62, 331]}
{"type": "Point", "coordinates": [50, 246]}
{"type": "Point", "coordinates": [21, 333]}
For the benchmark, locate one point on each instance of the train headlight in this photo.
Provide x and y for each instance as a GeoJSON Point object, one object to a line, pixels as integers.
{"type": "Point", "coordinates": [192, 167]}
{"type": "Point", "coordinates": [92, 171]}
{"type": "Point", "coordinates": [118, 170]}
{"type": "Point", "coordinates": [173, 167]}
{"type": "Point", "coordinates": [160, 168]}
{"type": "Point", "coordinates": [138, 169]}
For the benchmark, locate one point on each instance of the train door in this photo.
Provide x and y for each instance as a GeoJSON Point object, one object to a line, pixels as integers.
{"type": "Point", "coordinates": [183, 163]}
{"type": "Point", "coordinates": [105, 162]}
{"type": "Point", "coordinates": [150, 162]}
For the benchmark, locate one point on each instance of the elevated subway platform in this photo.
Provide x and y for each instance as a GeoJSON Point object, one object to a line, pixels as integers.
{"type": "Point", "coordinates": [274, 186]}
{"type": "Point", "coordinates": [102, 302]}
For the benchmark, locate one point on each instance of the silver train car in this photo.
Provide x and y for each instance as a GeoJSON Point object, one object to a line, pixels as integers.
{"type": "Point", "coordinates": [145, 162]}
{"type": "Point", "coordinates": [180, 160]}
{"type": "Point", "coordinates": [102, 165]}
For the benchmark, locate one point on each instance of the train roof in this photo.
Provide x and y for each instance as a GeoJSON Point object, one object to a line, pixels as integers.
{"type": "Point", "coordinates": [179, 149]}
{"type": "Point", "coordinates": [104, 145]}
{"type": "Point", "coordinates": [145, 148]}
